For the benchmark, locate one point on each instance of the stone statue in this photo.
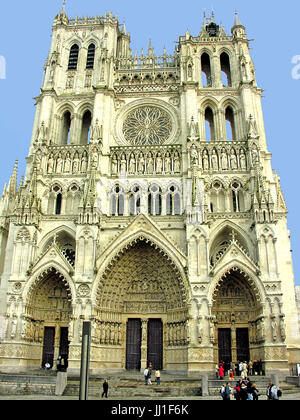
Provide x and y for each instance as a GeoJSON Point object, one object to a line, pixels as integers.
{"type": "Point", "coordinates": [252, 128]}
{"type": "Point", "coordinates": [224, 160]}
{"type": "Point", "coordinates": [194, 158]}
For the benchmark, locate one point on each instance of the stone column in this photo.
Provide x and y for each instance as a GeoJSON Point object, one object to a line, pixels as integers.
{"type": "Point", "coordinates": [144, 344]}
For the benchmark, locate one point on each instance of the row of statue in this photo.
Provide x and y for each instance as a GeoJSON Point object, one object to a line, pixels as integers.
{"type": "Point", "coordinates": [218, 160]}
{"type": "Point", "coordinates": [67, 163]}
{"type": "Point", "coordinates": [146, 163]}
{"type": "Point", "coordinates": [177, 334]}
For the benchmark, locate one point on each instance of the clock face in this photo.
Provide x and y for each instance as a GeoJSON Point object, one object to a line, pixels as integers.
{"type": "Point", "coordinates": [147, 125]}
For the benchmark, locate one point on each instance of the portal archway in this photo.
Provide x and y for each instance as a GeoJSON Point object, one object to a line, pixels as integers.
{"type": "Point", "coordinates": [141, 290]}
{"type": "Point", "coordinates": [47, 315]}
{"type": "Point", "coordinates": [238, 317]}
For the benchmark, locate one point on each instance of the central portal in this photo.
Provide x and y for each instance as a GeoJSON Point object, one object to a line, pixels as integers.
{"type": "Point", "coordinates": [154, 344]}
{"type": "Point", "coordinates": [142, 311]}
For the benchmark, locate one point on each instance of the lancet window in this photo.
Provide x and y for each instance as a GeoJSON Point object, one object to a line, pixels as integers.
{"type": "Point", "coordinates": [225, 69]}
{"type": "Point", "coordinates": [90, 57]}
{"type": "Point", "coordinates": [73, 57]}
{"type": "Point", "coordinates": [206, 70]}
{"type": "Point", "coordinates": [154, 201]}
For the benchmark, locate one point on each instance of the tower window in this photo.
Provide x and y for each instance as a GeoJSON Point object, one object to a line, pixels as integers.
{"type": "Point", "coordinates": [73, 58]}
{"type": "Point", "coordinates": [206, 70]}
{"type": "Point", "coordinates": [66, 126]}
{"type": "Point", "coordinates": [230, 126]}
{"type": "Point", "coordinates": [58, 204]}
{"type": "Point", "coordinates": [209, 124]}
{"type": "Point", "coordinates": [90, 57]}
{"type": "Point", "coordinates": [86, 127]}
{"type": "Point", "coordinates": [225, 69]}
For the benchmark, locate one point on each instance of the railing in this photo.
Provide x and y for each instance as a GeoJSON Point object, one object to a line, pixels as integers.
{"type": "Point", "coordinates": [148, 62]}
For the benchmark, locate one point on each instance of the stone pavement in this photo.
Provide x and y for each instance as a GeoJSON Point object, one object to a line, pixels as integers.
{"type": "Point", "coordinates": [286, 397]}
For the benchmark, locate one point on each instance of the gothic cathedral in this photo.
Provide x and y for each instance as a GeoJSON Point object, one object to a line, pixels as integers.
{"type": "Point", "coordinates": [148, 208]}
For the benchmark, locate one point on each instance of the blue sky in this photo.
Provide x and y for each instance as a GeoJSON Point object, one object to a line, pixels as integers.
{"type": "Point", "coordinates": [25, 35]}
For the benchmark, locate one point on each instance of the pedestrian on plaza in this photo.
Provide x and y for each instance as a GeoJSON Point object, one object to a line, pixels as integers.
{"type": "Point", "coordinates": [225, 392]}
{"type": "Point", "coordinates": [157, 377]}
{"type": "Point", "coordinates": [244, 370]}
{"type": "Point", "coordinates": [237, 391]}
{"type": "Point", "coordinates": [273, 392]}
{"type": "Point", "coordinates": [217, 371]}
{"type": "Point", "coordinates": [240, 368]}
{"type": "Point", "coordinates": [255, 393]}
{"type": "Point", "coordinates": [231, 375]}
{"type": "Point", "coordinates": [250, 367]}
{"type": "Point", "coordinates": [221, 372]}
{"type": "Point", "coordinates": [146, 375]}
{"type": "Point", "coordinates": [243, 392]}
{"type": "Point", "coordinates": [149, 375]}
{"type": "Point", "coordinates": [249, 390]}
{"type": "Point", "coordinates": [105, 388]}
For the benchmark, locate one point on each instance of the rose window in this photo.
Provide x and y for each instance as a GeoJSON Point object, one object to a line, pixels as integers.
{"type": "Point", "coordinates": [147, 125]}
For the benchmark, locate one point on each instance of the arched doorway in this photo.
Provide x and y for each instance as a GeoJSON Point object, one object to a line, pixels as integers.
{"type": "Point", "coordinates": [142, 310]}
{"type": "Point", "coordinates": [47, 315]}
{"type": "Point", "coordinates": [237, 312]}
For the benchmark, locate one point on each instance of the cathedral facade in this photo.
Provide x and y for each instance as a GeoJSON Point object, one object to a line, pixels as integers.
{"type": "Point", "coordinates": [149, 208]}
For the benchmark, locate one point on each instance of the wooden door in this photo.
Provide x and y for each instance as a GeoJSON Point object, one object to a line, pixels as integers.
{"type": "Point", "coordinates": [224, 343]}
{"type": "Point", "coordinates": [64, 346]}
{"type": "Point", "coordinates": [48, 348]}
{"type": "Point", "coordinates": [242, 344]}
{"type": "Point", "coordinates": [155, 343]}
{"type": "Point", "coordinates": [133, 346]}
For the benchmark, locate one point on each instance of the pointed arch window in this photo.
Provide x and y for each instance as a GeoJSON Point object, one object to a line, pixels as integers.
{"type": "Point", "coordinates": [90, 57]}
{"type": "Point", "coordinates": [58, 204]}
{"type": "Point", "coordinates": [135, 201]}
{"type": "Point", "coordinates": [230, 124]}
{"type": "Point", "coordinates": [209, 124]}
{"type": "Point", "coordinates": [154, 201]}
{"type": "Point", "coordinates": [225, 69]}
{"type": "Point", "coordinates": [73, 57]}
{"type": "Point", "coordinates": [206, 70]}
{"type": "Point", "coordinates": [117, 201]}
{"type": "Point", "coordinates": [66, 128]}
{"type": "Point", "coordinates": [86, 127]}
{"type": "Point", "coordinates": [173, 201]}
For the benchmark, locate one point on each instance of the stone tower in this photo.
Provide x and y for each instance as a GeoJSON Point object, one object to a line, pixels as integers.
{"type": "Point", "coordinates": [149, 208]}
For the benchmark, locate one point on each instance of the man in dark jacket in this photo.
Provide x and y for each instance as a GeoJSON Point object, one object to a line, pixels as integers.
{"type": "Point", "coordinates": [105, 388]}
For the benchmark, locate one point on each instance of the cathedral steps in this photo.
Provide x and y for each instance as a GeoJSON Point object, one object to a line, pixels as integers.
{"type": "Point", "coordinates": [124, 387]}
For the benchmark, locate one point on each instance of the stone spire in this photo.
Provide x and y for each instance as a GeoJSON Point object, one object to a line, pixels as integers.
{"type": "Point", "coordinates": [62, 15]}
{"type": "Point", "coordinates": [237, 21]}
{"type": "Point", "coordinates": [238, 30]}
{"type": "Point", "coordinates": [13, 183]}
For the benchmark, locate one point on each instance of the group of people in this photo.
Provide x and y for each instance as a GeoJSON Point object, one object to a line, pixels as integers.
{"type": "Point", "coordinates": [245, 389]}
{"type": "Point", "coordinates": [240, 369]}
{"type": "Point", "coordinates": [148, 373]}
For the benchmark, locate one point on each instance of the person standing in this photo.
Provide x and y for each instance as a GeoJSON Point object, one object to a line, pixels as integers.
{"type": "Point", "coordinates": [149, 375]}
{"type": "Point", "coordinates": [272, 391]}
{"type": "Point", "coordinates": [157, 377]}
{"type": "Point", "coordinates": [237, 391]}
{"type": "Point", "coordinates": [146, 375]}
{"type": "Point", "coordinates": [250, 367]}
{"type": "Point", "coordinates": [221, 372]}
{"type": "Point", "coordinates": [105, 388]}
{"type": "Point", "coordinates": [255, 392]}
{"type": "Point", "coordinates": [227, 392]}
